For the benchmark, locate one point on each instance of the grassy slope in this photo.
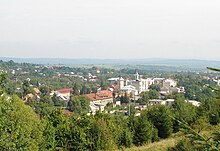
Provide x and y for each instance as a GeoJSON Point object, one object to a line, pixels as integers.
{"type": "Point", "coordinates": [156, 146]}
{"type": "Point", "coordinates": [163, 145]}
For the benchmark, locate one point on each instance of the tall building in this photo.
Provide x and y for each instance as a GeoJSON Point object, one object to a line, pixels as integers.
{"type": "Point", "coordinates": [139, 83]}
{"type": "Point", "coordinates": [121, 83]}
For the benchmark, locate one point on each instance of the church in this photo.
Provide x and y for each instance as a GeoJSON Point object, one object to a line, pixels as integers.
{"type": "Point", "coordinates": [139, 84]}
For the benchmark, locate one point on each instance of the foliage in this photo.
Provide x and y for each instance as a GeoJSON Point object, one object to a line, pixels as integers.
{"type": "Point", "coordinates": [211, 109]}
{"type": "Point", "coordinates": [155, 87]}
{"type": "Point", "coordinates": [3, 78]}
{"type": "Point", "coordinates": [160, 116]}
{"type": "Point", "coordinates": [196, 141]}
{"type": "Point", "coordinates": [183, 111]}
{"type": "Point", "coordinates": [42, 106]}
{"type": "Point", "coordinates": [79, 104]}
{"type": "Point", "coordinates": [58, 102]}
{"type": "Point", "coordinates": [101, 135]}
{"type": "Point", "coordinates": [144, 98]}
{"type": "Point", "coordinates": [144, 131]}
{"type": "Point", "coordinates": [153, 94]}
{"type": "Point", "coordinates": [20, 129]}
{"type": "Point", "coordinates": [124, 99]}
{"type": "Point", "coordinates": [48, 142]}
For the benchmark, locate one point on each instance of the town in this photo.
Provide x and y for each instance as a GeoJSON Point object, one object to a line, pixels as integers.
{"type": "Point", "coordinates": [123, 107]}
{"type": "Point", "coordinates": [109, 95]}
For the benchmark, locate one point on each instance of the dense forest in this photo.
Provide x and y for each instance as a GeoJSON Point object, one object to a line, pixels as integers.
{"type": "Point", "coordinates": [40, 123]}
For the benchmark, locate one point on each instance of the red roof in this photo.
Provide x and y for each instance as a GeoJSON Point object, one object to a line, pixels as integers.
{"type": "Point", "coordinates": [100, 95]}
{"type": "Point", "coordinates": [66, 90]}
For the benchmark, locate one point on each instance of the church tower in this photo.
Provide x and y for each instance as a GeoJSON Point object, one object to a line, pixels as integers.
{"type": "Point", "coordinates": [137, 76]}
{"type": "Point", "coordinates": [121, 83]}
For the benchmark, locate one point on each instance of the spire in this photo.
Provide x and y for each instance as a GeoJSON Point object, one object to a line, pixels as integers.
{"type": "Point", "coordinates": [137, 76]}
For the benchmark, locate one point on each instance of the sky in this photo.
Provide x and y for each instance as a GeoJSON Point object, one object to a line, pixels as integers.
{"type": "Point", "coordinates": [111, 29]}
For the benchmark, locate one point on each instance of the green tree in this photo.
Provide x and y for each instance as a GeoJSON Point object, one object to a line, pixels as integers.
{"type": "Point", "coordinates": [42, 106]}
{"type": "Point", "coordinates": [20, 128]}
{"type": "Point", "coordinates": [3, 78]}
{"type": "Point", "coordinates": [143, 131]}
{"type": "Point", "coordinates": [57, 128]}
{"type": "Point", "coordinates": [100, 134]}
{"type": "Point", "coordinates": [76, 89]}
{"type": "Point", "coordinates": [26, 87]}
{"type": "Point", "coordinates": [153, 94]}
{"type": "Point", "coordinates": [49, 141]}
{"type": "Point", "coordinates": [212, 110]}
{"type": "Point", "coordinates": [79, 104]}
{"type": "Point", "coordinates": [45, 90]}
{"type": "Point", "coordinates": [124, 99]}
{"type": "Point", "coordinates": [144, 98]}
{"type": "Point", "coordinates": [160, 116]}
{"type": "Point", "coordinates": [155, 87]}
{"type": "Point", "coordinates": [184, 112]}
{"type": "Point", "coordinates": [58, 102]}
{"type": "Point", "coordinates": [195, 140]}
{"type": "Point", "coordinates": [118, 125]}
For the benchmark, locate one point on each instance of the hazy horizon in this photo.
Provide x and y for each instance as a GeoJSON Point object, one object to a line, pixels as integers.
{"type": "Point", "coordinates": [102, 58]}
{"type": "Point", "coordinates": [103, 29]}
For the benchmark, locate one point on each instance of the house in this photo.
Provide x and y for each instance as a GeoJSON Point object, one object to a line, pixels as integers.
{"type": "Point", "coordinates": [193, 102]}
{"type": "Point", "coordinates": [170, 102]}
{"type": "Point", "coordinates": [93, 108]}
{"type": "Point", "coordinates": [129, 89]}
{"type": "Point", "coordinates": [64, 92]}
{"type": "Point", "coordinates": [102, 97]}
{"type": "Point", "coordinates": [158, 81]}
{"type": "Point", "coordinates": [169, 83]}
{"type": "Point", "coordinates": [27, 97]}
{"type": "Point", "coordinates": [156, 102]}
{"type": "Point", "coordinates": [167, 102]}
{"type": "Point", "coordinates": [113, 81]}
{"type": "Point", "coordinates": [37, 91]}
{"type": "Point", "coordinates": [118, 103]}
{"type": "Point", "coordinates": [166, 90]}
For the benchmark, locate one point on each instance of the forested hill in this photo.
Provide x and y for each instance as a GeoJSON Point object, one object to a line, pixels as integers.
{"type": "Point", "coordinates": [163, 62]}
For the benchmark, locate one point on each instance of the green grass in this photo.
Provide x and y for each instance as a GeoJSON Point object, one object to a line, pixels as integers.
{"type": "Point", "coordinates": [156, 146]}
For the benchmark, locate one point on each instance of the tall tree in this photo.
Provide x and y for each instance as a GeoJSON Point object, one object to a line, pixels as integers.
{"type": "Point", "coordinates": [143, 131]}
{"type": "Point", "coordinates": [160, 116]}
{"type": "Point", "coordinates": [20, 128]}
{"type": "Point", "coordinates": [79, 104]}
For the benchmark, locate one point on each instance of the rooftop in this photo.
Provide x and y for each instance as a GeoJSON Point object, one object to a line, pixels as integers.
{"type": "Point", "coordinates": [66, 90]}
{"type": "Point", "coordinates": [100, 95]}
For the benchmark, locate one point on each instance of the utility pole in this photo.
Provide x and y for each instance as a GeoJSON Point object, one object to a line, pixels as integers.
{"type": "Point", "coordinates": [129, 109]}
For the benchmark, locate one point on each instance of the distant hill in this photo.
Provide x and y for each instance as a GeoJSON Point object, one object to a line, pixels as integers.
{"type": "Point", "coordinates": [157, 62]}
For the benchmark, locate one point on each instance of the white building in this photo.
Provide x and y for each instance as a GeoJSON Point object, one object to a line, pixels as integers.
{"type": "Point", "coordinates": [193, 102]}
{"type": "Point", "coordinates": [140, 84]}
{"type": "Point", "coordinates": [129, 89]}
{"type": "Point", "coordinates": [158, 81]}
{"type": "Point", "coordinates": [121, 83]}
{"type": "Point", "coordinates": [167, 102]}
{"type": "Point", "coordinates": [113, 81]}
{"type": "Point", "coordinates": [170, 102]}
{"type": "Point", "coordinates": [169, 83]}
